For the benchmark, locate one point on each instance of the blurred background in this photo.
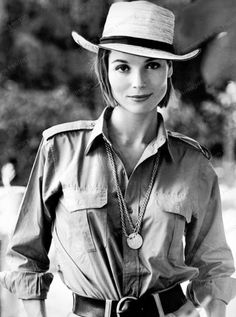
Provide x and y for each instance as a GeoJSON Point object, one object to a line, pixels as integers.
{"type": "Point", "coordinates": [45, 79]}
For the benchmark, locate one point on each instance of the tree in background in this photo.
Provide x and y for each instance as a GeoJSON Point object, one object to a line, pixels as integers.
{"type": "Point", "coordinates": [211, 25]}
{"type": "Point", "coordinates": [45, 78]}
{"type": "Point", "coordinates": [39, 52]}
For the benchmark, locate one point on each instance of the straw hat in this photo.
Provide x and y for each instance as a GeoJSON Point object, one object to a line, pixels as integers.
{"type": "Point", "coordinates": [139, 28]}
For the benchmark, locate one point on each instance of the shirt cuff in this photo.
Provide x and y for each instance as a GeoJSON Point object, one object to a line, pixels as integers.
{"type": "Point", "coordinates": [27, 285]}
{"type": "Point", "coordinates": [223, 289]}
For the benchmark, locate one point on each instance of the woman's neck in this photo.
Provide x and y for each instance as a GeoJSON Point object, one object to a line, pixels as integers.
{"type": "Point", "coordinates": [129, 128]}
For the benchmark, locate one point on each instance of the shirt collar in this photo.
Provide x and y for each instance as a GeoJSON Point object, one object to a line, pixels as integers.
{"type": "Point", "coordinates": [161, 140]}
{"type": "Point", "coordinates": [100, 129]}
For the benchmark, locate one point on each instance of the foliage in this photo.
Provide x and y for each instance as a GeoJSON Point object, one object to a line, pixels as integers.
{"type": "Point", "coordinates": [205, 123]}
{"type": "Point", "coordinates": [45, 77]}
{"type": "Point", "coordinates": [39, 51]}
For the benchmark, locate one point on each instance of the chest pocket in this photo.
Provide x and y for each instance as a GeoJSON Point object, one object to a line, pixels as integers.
{"type": "Point", "coordinates": [86, 216]}
{"type": "Point", "coordinates": [174, 214]}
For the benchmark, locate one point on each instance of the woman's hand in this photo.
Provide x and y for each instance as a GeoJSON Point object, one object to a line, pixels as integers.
{"type": "Point", "coordinates": [216, 308]}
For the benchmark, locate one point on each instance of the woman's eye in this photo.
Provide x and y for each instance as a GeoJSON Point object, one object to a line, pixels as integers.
{"type": "Point", "coordinates": [153, 65]}
{"type": "Point", "coordinates": [122, 68]}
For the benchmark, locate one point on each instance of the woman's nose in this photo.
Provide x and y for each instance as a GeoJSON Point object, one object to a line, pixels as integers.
{"type": "Point", "coordinates": [138, 80]}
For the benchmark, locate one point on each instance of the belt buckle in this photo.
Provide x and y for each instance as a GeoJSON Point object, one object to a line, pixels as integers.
{"type": "Point", "coordinates": [121, 301]}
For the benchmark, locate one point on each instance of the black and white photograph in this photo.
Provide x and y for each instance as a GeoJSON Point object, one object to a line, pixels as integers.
{"type": "Point", "coordinates": [118, 158]}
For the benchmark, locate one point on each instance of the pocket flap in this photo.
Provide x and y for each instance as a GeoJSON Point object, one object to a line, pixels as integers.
{"type": "Point", "coordinates": [182, 211]}
{"type": "Point", "coordinates": [175, 205]}
{"type": "Point", "coordinates": [77, 199]}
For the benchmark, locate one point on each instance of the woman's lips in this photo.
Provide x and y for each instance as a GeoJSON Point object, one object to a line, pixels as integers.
{"type": "Point", "coordinates": [140, 97]}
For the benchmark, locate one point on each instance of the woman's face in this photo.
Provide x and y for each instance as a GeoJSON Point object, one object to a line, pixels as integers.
{"type": "Point", "coordinates": [138, 83]}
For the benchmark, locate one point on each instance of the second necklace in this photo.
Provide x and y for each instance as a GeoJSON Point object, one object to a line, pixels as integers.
{"type": "Point", "coordinates": [134, 239]}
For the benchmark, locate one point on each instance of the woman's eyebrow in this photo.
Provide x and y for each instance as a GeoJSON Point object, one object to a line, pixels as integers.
{"type": "Point", "coordinates": [151, 59]}
{"type": "Point", "coordinates": [119, 61]}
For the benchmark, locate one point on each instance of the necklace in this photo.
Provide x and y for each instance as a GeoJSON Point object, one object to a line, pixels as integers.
{"type": "Point", "coordinates": [134, 239]}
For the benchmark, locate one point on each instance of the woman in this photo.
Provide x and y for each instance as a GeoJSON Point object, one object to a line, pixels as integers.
{"type": "Point", "coordinates": [119, 194]}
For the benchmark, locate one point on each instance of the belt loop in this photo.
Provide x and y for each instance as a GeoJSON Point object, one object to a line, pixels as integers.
{"type": "Point", "coordinates": [108, 306]}
{"type": "Point", "coordinates": [73, 298]}
{"type": "Point", "coordinates": [159, 305]}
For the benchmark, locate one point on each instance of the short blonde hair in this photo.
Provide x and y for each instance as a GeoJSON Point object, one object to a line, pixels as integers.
{"type": "Point", "coordinates": [101, 70]}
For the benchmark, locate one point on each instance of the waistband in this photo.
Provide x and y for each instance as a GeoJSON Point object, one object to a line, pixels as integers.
{"type": "Point", "coordinates": [152, 305]}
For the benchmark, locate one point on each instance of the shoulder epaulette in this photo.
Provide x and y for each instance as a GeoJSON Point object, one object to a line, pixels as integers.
{"type": "Point", "coordinates": [191, 142]}
{"type": "Point", "coordinates": [68, 126]}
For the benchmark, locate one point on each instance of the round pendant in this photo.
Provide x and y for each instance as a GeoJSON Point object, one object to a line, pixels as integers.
{"type": "Point", "coordinates": [135, 241]}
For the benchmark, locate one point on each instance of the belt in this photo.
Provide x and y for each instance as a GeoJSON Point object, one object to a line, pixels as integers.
{"type": "Point", "coordinates": [151, 305]}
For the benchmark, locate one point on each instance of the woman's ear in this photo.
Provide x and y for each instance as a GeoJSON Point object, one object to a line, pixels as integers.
{"type": "Point", "coordinates": [170, 69]}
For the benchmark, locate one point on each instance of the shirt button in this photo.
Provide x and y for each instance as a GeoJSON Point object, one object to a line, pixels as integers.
{"type": "Point", "coordinates": [130, 210]}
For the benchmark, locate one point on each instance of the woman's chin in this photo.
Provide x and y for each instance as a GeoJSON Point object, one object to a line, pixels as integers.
{"type": "Point", "coordinates": [138, 108]}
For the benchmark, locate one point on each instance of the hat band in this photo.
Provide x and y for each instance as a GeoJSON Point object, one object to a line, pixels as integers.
{"type": "Point", "coordinates": [138, 42]}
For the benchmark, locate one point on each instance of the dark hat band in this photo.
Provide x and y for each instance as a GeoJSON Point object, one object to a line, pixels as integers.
{"type": "Point", "coordinates": [138, 42]}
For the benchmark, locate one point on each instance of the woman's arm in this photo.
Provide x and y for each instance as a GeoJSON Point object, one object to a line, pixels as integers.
{"type": "Point", "coordinates": [207, 249]}
{"type": "Point", "coordinates": [27, 257]}
{"type": "Point", "coordinates": [35, 307]}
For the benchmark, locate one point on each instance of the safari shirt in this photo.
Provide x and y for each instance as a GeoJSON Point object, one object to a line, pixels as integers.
{"type": "Point", "coordinates": [71, 196]}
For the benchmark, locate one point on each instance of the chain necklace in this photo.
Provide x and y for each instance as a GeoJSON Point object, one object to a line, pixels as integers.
{"type": "Point", "coordinates": [134, 239]}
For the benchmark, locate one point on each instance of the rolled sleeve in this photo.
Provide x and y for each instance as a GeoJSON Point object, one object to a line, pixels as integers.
{"type": "Point", "coordinates": [27, 285]}
{"type": "Point", "coordinates": [27, 256]}
{"type": "Point", "coordinates": [206, 246]}
{"type": "Point", "coordinates": [222, 289]}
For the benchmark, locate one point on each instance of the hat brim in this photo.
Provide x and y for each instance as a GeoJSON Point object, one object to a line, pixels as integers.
{"type": "Point", "coordinates": [132, 49]}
